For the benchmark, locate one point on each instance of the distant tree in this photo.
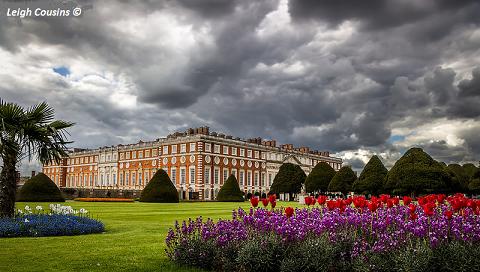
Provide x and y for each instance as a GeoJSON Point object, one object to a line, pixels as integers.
{"type": "Point", "coordinates": [474, 186]}
{"type": "Point", "coordinates": [27, 133]}
{"type": "Point", "coordinates": [372, 178]}
{"type": "Point", "coordinates": [319, 178]}
{"type": "Point", "coordinates": [289, 179]}
{"type": "Point", "coordinates": [470, 169]}
{"type": "Point", "coordinates": [40, 188]}
{"type": "Point", "coordinates": [160, 189]}
{"type": "Point", "coordinates": [343, 180]}
{"type": "Point", "coordinates": [417, 173]}
{"type": "Point", "coordinates": [459, 178]}
{"type": "Point", "coordinates": [230, 191]}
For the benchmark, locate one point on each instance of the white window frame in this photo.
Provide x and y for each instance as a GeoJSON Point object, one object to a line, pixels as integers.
{"type": "Point", "coordinates": [242, 152]}
{"type": "Point", "coordinates": [208, 147]}
{"type": "Point", "coordinates": [174, 149]}
{"type": "Point", "coordinates": [191, 177]}
{"type": "Point", "coordinates": [207, 175]}
{"type": "Point", "coordinates": [193, 147]}
{"type": "Point", "coordinates": [216, 149]}
{"type": "Point", "coordinates": [225, 150]}
{"type": "Point", "coordinates": [173, 176]}
{"type": "Point", "coordinates": [216, 176]}
{"type": "Point", "coordinates": [241, 178]}
{"type": "Point", "coordinates": [249, 153]}
{"type": "Point", "coordinates": [183, 175]}
{"type": "Point", "coordinates": [165, 150]}
{"type": "Point", "coordinates": [183, 148]}
{"type": "Point", "coordinates": [225, 177]}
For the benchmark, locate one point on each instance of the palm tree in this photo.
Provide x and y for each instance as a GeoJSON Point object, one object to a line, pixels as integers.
{"type": "Point", "coordinates": [27, 133]}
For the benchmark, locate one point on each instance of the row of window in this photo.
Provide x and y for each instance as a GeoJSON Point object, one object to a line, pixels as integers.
{"type": "Point", "coordinates": [125, 179]}
{"type": "Point", "coordinates": [234, 151]}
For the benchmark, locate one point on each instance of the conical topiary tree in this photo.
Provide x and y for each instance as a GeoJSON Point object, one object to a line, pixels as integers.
{"type": "Point", "coordinates": [372, 178]}
{"type": "Point", "coordinates": [343, 180]}
{"type": "Point", "coordinates": [459, 178]}
{"type": "Point", "coordinates": [160, 189]}
{"type": "Point", "coordinates": [319, 178]}
{"type": "Point", "coordinates": [230, 191]}
{"type": "Point", "coordinates": [289, 179]}
{"type": "Point", "coordinates": [416, 173]}
{"type": "Point", "coordinates": [40, 188]}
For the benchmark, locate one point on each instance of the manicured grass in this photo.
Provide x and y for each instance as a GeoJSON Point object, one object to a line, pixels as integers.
{"type": "Point", "coordinates": [133, 241]}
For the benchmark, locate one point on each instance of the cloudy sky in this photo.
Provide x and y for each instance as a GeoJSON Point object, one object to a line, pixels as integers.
{"type": "Point", "coordinates": [352, 77]}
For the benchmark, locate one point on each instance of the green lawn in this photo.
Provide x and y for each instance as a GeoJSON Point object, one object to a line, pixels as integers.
{"type": "Point", "coordinates": [133, 241]}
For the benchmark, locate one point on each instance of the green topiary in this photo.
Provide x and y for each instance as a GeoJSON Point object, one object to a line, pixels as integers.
{"type": "Point", "coordinates": [160, 189]}
{"type": "Point", "coordinates": [459, 178]}
{"type": "Point", "coordinates": [40, 188]}
{"type": "Point", "coordinates": [416, 172]}
{"type": "Point", "coordinates": [230, 191]}
{"type": "Point", "coordinates": [319, 178]}
{"type": "Point", "coordinates": [372, 178]}
{"type": "Point", "coordinates": [470, 170]}
{"type": "Point", "coordinates": [289, 179]}
{"type": "Point", "coordinates": [343, 180]}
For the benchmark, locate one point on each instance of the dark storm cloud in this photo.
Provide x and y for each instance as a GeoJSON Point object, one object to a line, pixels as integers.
{"type": "Point", "coordinates": [340, 76]}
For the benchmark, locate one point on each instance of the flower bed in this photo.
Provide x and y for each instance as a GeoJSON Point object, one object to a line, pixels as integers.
{"type": "Point", "coordinates": [433, 234]}
{"type": "Point", "coordinates": [57, 221]}
{"type": "Point", "coordinates": [103, 199]}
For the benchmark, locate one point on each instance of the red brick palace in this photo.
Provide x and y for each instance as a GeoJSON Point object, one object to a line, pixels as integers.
{"type": "Point", "coordinates": [198, 162]}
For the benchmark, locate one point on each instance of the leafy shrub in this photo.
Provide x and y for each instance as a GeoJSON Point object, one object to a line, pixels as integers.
{"type": "Point", "coordinates": [456, 256]}
{"type": "Point", "coordinates": [343, 180]}
{"type": "Point", "coordinates": [195, 252]}
{"type": "Point", "coordinates": [160, 189]}
{"type": "Point", "coordinates": [319, 178]}
{"type": "Point", "coordinates": [230, 191]}
{"type": "Point", "coordinates": [372, 178]}
{"type": "Point", "coordinates": [261, 254]}
{"type": "Point", "coordinates": [315, 254]}
{"type": "Point", "coordinates": [40, 188]}
{"type": "Point", "coordinates": [416, 172]}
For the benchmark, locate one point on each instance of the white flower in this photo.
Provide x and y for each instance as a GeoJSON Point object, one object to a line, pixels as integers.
{"type": "Point", "coordinates": [27, 208]}
{"type": "Point", "coordinates": [26, 220]}
{"type": "Point", "coordinates": [39, 208]}
{"type": "Point", "coordinates": [20, 211]}
{"type": "Point", "coordinates": [83, 211]}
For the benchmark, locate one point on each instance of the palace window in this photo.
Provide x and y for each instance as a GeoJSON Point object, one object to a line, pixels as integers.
{"type": "Point", "coordinates": [207, 175]}
{"type": "Point", "coordinates": [147, 153]}
{"type": "Point", "coordinates": [140, 154]}
{"type": "Point", "coordinates": [241, 178]}
{"type": "Point", "coordinates": [192, 147]}
{"type": "Point", "coordinates": [183, 148]}
{"type": "Point", "coordinates": [108, 158]}
{"type": "Point", "coordinates": [122, 156]}
{"type": "Point", "coordinates": [174, 149]}
{"type": "Point", "coordinates": [91, 180]}
{"type": "Point", "coordinates": [154, 152]}
{"type": "Point", "coordinates": [134, 178]}
{"type": "Point", "coordinates": [127, 179]}
{"type": "Point", "coordinates": [206, 193]}
{"type": "Point", "coordinates": [257, 154]}
{"type": "Point", "coordinates": [127, 155]}
{"type": "Point", "coordinates": [140, 180]}
{"type": "Point", "coordinates": [216, 175]}
{"type": "Point", "coordinates": [249, 153]}
{"type": "Point", "coordinates": [249, 178]}
{"type": "Point", "coordinates": [192, 175]}
{"type": "Point", "coordinates": [134, 154]}
{"type": "Point", "coordinates": [114, 179]}
{"type": "Point", "coordinates": [182, 175]}
{"type": "Point", "coordinates": [208, 147]}
{"type": "Point", "coordinates": [242, 152]}
{"type": "Point", "coordinates": [263, 179]}
{"type": "Point", "coordinates": [216, 148]}
{"type": "Point", "coordinates": [121, 178]}
{"type": "Point", "coordinates": [256, 178]}
{"type": "Point", "coordinates": [225, 175]}
{"type": "Point", "coordinates": [234, 151]}
{"type": "Point", "coordinates": [225, 150]}
{"type": "Point", "coordinates": [165, 150]}
{"type": "Point", "coordinates": [269, 180]}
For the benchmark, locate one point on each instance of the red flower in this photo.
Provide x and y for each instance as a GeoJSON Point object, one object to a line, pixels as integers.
{"type": "Point", "coordinates": [272, 198]}
{"type": "Point", "coordinates": [265, 202]}
{"type": "Point", "coordinates": [413, 216]}
{"type": "Point", "coordinates": [428, 208]}
{"type": "Point", "coordinates": [372, 206]}
{"type": "Point", "coordinates": [289, 211]}
{"type": "Point", "coordinates": [441, 198]}
{"type": "Point", "coordinates": [273, 203]}
{"type": "Point", "coordinates": [396, 201]}
{"type": "Point", "coordinates": [254, 201]}
{"type": "Point", "coordinates": [389, 203]}
{"type": "Point", "coordinates": [448, 214]}
{"type": "Point", "coordinates": [308, 200]}
{"type": "Point", "coordinates": [331, 205]}
{"type": "Point", "coordinates": [407, 200]}
{"type": "Point", "coordinates": [412, 208]}
{"type": "Point", "coordinates": [321, 200]}
{"type": "Point", "coordinates": [384, 198]}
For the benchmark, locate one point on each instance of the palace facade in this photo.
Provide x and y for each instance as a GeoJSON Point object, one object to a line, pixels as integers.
{"type": "Point", "coordinates": [198, 162]}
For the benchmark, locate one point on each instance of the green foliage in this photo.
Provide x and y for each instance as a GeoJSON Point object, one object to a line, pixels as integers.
{"type": "Point", "coordinates": [456, 256]}
{"type": "Point", "coordinates": [160, 189]}
{"type": "Point", "coordinates": [262, 254]}
{"type": "Point", "coordinates": [319, 178]}
{"type": "Point", "coordinates": [459, 178]}
{"type": "Point", "coordinates": [40, 188]}
{"type": "Point", "coordinates": [416, 172]}
{"type": "Point", "coordinates": [230, 191]}
{"type": "Point", "coordinates": [470, 170]}
{"type": "Point", "coordinates": [289, 179]}
{"type": "Point", "coordinates": [372, 178]}
{"type": "Point", "coordinates": [343, 180]}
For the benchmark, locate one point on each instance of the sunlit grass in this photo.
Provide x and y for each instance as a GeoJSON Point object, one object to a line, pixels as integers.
{"type": "Point", "coordinates": [133, 241]}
